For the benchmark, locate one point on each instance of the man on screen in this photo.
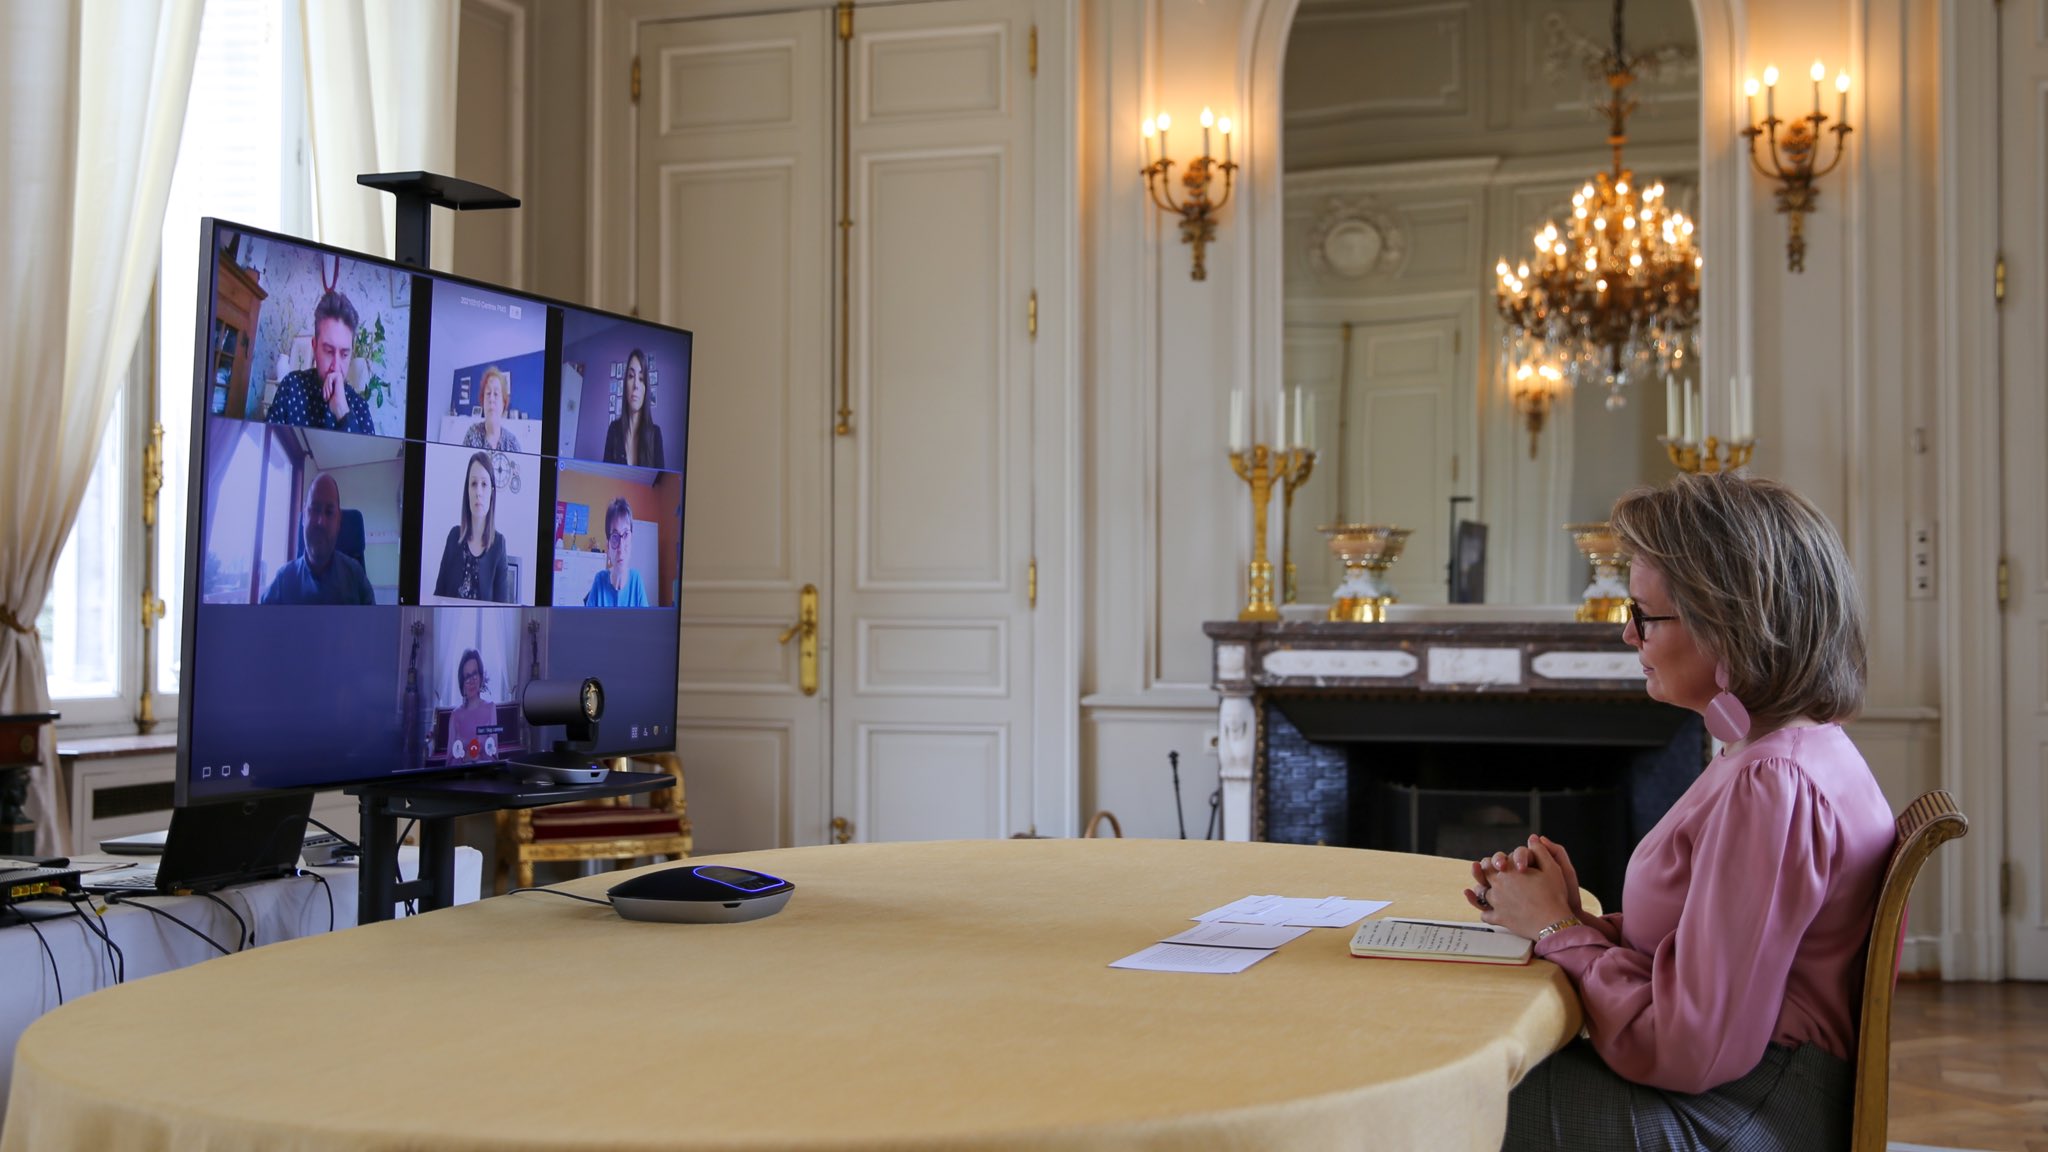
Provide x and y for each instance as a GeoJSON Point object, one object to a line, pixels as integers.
{"type": "Point", "coordinates": [618, 586]}
{"type": "Point", "coordinates": [321, 575]}
{"type": "Point", "coordinates": [319, 397]}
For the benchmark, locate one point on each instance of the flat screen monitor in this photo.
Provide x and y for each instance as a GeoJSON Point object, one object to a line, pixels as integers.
{"type": "Point", "coordinates": [417, 494]}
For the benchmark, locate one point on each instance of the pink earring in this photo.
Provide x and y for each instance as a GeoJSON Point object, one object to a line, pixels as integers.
{"type": "Point", "coordinates": [1727, 719]}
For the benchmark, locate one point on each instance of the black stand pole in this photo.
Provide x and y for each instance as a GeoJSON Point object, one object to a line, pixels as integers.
{"type": "Point", "coordinates": [418, 193]}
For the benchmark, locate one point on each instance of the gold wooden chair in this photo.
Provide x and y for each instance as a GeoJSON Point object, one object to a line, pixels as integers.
{"type": "Point", "coordinates": [610, 829]}
{"type": "Point", "coordinates": [1926, 824]}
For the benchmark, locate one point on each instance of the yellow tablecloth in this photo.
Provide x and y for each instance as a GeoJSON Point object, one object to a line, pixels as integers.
{"type": "Point", "coordinates": [952, 995]}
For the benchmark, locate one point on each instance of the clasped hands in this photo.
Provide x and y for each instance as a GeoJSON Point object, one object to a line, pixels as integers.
{"type": "Point", "coordinates": [1527, 889]}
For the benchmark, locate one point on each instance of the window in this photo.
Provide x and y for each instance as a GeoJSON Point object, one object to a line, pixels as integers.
{"type": "Point", "coordinates": [241, 157]}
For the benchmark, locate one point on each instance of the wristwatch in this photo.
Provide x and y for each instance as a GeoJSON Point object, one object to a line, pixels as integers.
{"type": "Point", "coordinates": [1561, 925]}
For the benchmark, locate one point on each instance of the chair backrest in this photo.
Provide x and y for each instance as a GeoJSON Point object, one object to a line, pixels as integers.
{"type": "Point", "coordinates": [350, 539]}
{"type": "Point", "coordinates": [1926, 824]}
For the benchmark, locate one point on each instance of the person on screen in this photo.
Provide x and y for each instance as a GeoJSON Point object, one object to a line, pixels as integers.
{"type": "Point", "coordinates": [476, 710]}
{"type": "Point", "coordinates": [319, 574]}
{"type": "Point", "coordinates": [633, 438]}
{"type": "Point", "coordinates": [618, 586]}
{"type": "Point", "coordinates": [495, 397]}
{"type": "Point", "coordinates": [319, 397]}
{"type": "Point", "coordinates": [1721, 999]}
{"type": "Point", "coordinates": [473, 561]}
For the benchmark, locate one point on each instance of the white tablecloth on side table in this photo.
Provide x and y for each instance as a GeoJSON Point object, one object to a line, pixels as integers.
{"type": "Point", "coordinates": [274, 910]}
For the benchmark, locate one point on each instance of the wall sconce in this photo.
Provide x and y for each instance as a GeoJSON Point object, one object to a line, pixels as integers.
{"type": "Point", "coordinates": [1196, 211]}
{"type": "Point", "coordinates": [1794, 156]}
{"type": "Point", "coordinates": [1534, 388]}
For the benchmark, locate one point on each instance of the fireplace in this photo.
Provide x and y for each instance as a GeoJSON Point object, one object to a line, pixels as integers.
{"type": "Point", "coordinates": [1448, 739]}
{"type": "Point", "coordinates": [1463, 776]}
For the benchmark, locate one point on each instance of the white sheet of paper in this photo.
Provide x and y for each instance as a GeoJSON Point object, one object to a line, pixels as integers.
{"type": "Point", "coordinates": [1223, 934]}
{"type": "Point", "coordinates": [1298, 911]}
{"type": "Point", "coordinates": [1335, 912]}
{"type": "Point", "coordinates": [1191, 958]}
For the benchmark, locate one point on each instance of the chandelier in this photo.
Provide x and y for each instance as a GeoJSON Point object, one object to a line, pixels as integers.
{"type": "Point", "coordinates": [1613, 296]}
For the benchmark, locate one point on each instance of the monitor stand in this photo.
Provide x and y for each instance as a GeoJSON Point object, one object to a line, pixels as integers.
{"type": "Point", "coordinates": [437, 803]}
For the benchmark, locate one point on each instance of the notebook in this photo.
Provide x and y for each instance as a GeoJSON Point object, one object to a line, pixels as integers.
{"type": "Point", "coordinates": [1460, 941]}
{"type": "Point", "coordinates": [210, 846]}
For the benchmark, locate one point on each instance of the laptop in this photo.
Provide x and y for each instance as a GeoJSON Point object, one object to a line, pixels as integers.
{"type": "Point", "coordinates": [212, 846]}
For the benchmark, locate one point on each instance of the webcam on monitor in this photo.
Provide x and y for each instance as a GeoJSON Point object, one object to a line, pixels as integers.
{"type": "Point", "coordinates": [577, 705]}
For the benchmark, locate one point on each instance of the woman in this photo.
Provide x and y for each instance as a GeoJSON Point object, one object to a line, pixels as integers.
{"type": "Point", "coordinates": [475, 712]}
{"type": "Point", "coordinates": [633, 438]}
{"type": "Point", "coordinates": [1721, 1001]}
{"type": "Point", "coordinates": [494, 397]}
{"type": "Point", "coordinates": [473, 561]}
{"type": "Point", "coordinates": [618, 585]}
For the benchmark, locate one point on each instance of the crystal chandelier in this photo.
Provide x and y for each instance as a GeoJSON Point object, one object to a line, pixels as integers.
{"type": "Point", "coordinates": [1613, 296]}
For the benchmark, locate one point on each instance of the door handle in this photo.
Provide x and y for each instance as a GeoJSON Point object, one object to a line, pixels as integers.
{"type": "Point", "coordinates": [842, 830]}
{"type": "Point", "coordinates": [806, 631]}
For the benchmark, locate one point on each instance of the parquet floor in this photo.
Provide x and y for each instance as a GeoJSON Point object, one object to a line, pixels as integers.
{"type": "Point", "coordinates": [1970, 1066]}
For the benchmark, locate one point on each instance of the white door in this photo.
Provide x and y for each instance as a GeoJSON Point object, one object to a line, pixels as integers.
{"type": "Point", "coordinates": [918, 538]}
{"type": "Point", "coordinates": [931, 690]}
{"type": "Point", "coordinates": [1395, 455]}
{"type": "Point", "coordinates": [732, 213]}
{"type": "Point", "coordinates": [2023, 320]}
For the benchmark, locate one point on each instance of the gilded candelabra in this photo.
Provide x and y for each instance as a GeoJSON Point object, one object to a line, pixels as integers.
{"type": "Point", "coordinates": [1795, 156]}
{"type": "Point", "coordinates": [1262, 467]}
{"type": "Point", "coordinates": [1710, 456]}
{"type": "Point", "coordinates": [1296, 464]}
{"type": "Point", "coordinates": [1196, 210]}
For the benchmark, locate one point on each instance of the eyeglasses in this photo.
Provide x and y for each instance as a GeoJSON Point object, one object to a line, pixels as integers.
{"type": "Point", "coordinates": [1642, 622]}
{"type": "Point", "coordinates": [618, 538]}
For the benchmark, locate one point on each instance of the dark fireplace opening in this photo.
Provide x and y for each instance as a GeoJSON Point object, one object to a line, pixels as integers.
{"type": "Point", "coordinates": [1465, 775]}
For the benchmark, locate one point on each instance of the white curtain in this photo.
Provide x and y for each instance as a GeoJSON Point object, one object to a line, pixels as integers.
{"type": "Point", "coordinates": [92, 99]}
{"type": "Point", "coordinates": [380, 93]}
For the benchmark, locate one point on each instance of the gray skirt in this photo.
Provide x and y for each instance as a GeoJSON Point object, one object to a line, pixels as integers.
{"type": "Point", "coordinates": [1795, 1098]}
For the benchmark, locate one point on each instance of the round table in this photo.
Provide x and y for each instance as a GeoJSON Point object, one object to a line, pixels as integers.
{"type": "Point", "coordinates": [925, 995]}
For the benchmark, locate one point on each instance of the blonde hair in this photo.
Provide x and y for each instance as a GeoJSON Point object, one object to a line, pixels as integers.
{"type": "Point", "coordinates": [1759, 577]}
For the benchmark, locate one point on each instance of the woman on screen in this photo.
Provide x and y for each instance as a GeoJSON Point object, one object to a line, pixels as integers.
{"type": "Point", "coordinates": [475, 711]}
{"type": "Point", "coordinates": [633, 438]}
{"type": "Point", "coordinates": [494, 397]}
{"type": "Point", "coordinates": [618, 586]}
{"type": "Point", "coordinates": [473, 561]}
{"type": "Point", "coordinates": [1721, 998]}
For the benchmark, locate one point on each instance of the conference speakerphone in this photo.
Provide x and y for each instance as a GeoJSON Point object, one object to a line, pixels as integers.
{"type": "Point", "coordinates": [703, 894]}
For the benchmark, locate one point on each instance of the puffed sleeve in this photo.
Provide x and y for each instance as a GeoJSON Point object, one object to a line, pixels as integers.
{"type": "Point", "coordinates": [1700, 1009]}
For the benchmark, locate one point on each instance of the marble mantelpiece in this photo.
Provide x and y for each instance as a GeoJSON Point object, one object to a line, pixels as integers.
{"type": "Point", "coordinates": [1441, 660]}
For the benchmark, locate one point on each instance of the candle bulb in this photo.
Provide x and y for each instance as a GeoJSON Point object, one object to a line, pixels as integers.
{"type": "Point", "coordinates": [1209, 120]}
{"type": "Point", "coordinates": [1748, 98]}
{"type": "Point", "coordinates": [1165, 122]}
{"type": "Point", "coordinates": [1150, 130]}
{"type": "Point", "coordinates": [1223, 126]}
{"type": "Point", "coordinates": [1842, 86]}
{"type": "Point", "coordinates": [1670, 407]}
{"type": "Point", "coordinates": [1280, 419]}
{"type": "Point", "coordinates": [1819, 74]}
{"type": "Point", "coordinates": [1770, 95]}
{"type": "Point", "coordinates": [1237, 419]}
{"type": "Point", "coordinates": [1685, 428]}
{"type": "Point", "coordinates": [1299, 441]}
{"type": "Point", "coordinates": [1310, 443]}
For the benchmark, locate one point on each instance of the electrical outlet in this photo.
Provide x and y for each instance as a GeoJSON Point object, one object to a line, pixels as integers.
{"type": "Point", "coordinates": [1920, 562]}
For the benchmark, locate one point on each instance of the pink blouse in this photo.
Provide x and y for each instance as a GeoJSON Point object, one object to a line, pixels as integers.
{"type": "Point", "coordinates": [1746, 912]}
